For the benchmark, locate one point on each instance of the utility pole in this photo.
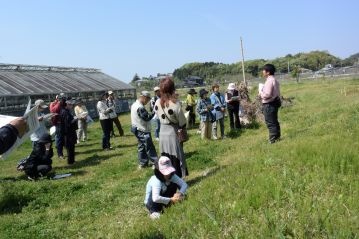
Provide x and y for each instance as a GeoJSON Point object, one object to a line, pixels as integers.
{"type": "Point", "coordinates": [244, 75]}
{"type": "Point", "coordinates": [288, 68]}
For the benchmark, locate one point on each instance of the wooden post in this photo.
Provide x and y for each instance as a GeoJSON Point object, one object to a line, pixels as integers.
{"type": "Point", "coordinates": [244, 75]}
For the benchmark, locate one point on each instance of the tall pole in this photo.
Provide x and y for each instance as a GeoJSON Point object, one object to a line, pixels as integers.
{"type": "Point", "coordinates": [244, 75]}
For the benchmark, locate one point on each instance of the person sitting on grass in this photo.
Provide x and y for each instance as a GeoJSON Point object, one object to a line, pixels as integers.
{"type": "Point", "coordinates": [204, 108]}
{"type": "Point", "coordinates": [39, 162]}
{"type": "Point", "coordinates": [161, 188]}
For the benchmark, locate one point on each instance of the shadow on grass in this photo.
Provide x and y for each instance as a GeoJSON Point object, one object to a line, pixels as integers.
{"type": "Point", "coordinates": [13, 202]}
{"type": "Point", "coordinates": [152, 235]}
{"type": "Point", "coordinates": [208, 173]}
{"type": "Point", "coordinates": [90, 161]}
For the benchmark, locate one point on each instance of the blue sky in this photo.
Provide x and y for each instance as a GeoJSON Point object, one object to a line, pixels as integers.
{"type": "Point", "coordinates": [145, 37]}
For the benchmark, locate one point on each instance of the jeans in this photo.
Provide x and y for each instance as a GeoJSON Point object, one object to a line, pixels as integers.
{"type": "Point", "coordinates": [106, 129]}
{"type": "Point", "coordinates": [157, 129]}
{"type": "Point", "coordinates": [271, 118]}
{"type": "Point", "coordinates": [234, 121]}
{"type": "Point", "coordinates": [146, 149]}
{"type": "Point", "coordinates": [59, 141]}
{"type": "Point", "coordinates": [158, 207]}
{"type": "Point", "coordinates": [215, 125]}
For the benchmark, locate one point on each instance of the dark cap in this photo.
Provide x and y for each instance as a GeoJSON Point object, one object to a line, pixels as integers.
{"type": "Point", "coordinates": [192, 91]}
{"type": "Point", "coordinates": [203, 92]}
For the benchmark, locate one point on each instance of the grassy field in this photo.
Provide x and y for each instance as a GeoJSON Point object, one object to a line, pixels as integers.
{"type": "Point", "coordinates": [305, 186]}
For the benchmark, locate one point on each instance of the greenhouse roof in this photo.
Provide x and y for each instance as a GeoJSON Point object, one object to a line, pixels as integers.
{"type": "Point", "coordinates": [33, 79]}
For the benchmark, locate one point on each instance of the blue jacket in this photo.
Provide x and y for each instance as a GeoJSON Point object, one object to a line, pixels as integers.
{"type": "Point", "coordinates": [218, 102]}
{"type": "Point", "coordinates": [201, 110]}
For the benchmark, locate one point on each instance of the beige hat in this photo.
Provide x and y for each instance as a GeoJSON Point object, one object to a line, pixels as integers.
{"type": "Point", "coordinates": [110, 92]}
{"type": "Point", "coordinates": [231, 86]}
{"type": "Point", "coordinates": [145, 93]}
{"type": "Point", "coordinates": [41, 104]}
{"type": "Point", "coordinates": [156, 89]}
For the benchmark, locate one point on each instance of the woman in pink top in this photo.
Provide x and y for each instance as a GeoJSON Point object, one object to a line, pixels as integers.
{"type": "Point", "coordinates": [270, 95]}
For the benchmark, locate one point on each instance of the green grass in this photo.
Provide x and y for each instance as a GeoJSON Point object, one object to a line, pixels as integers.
{"type": "Point", "coordinates": [306, 186]}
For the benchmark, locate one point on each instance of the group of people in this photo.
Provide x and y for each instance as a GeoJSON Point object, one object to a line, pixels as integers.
{"type": "Point", "coordinates": [167, 186]}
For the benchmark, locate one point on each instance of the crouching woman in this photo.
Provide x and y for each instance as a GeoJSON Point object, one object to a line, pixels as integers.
{"type": "Point", "coordinates": [161, 189]}
{"type": "Point", "coordinates": [39, 162]}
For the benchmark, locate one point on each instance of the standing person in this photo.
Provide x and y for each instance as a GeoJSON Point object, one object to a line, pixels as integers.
{"type": "Point", "coordinates": [141, 128]}
{"type": "Point", "coordinates": [161, 188]}
{"type": "Point", "coordinates": [191, 104]}
{"type": "Point", "coordinates": [55, 108]}
{"type": "Point", "coordinates": [233, 103]}
{"type": "Point", "coordinates": [219, 108]}
{"type": "Point", "coordinates": [172, 119]}
{"type": "Point", "coordinates": [81, 113]}
{"type": "Point", "coordinates": [152, 108]}
{"type": "Point", "coordinates": [111, 103]}
{"type": "Point", "coordinates": [270, 95]}
{"type": "Point", "coordinates": [39, 162]}
{"type": "Point", "coordinates": [105, 121]}
{"type": "Point", "coordinates": [41, 106]}
{"type": "Point", "coordinates": [204, 108]}
{"type": "Point", "coordinates": [10, 132]}
{"type": "Point", "coordinates": [68, 130]}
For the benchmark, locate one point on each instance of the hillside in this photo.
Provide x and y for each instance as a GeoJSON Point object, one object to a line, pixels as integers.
{"type": "Point", "coordinates": [305, 186]}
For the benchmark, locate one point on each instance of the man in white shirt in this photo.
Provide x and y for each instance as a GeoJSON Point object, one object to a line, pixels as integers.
{"type": "Point", "coordinates": [141, 128]}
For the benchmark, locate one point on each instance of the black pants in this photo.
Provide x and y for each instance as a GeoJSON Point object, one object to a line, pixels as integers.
{"type": "Point", "coordinates": [106, 129]}
{"type": "Point", "coordinates": [234, 121]}
{"type": "Point", "coordinates": [38, 171]}
{"type": "Point", "coordinates": [158, 207]}
{"type": "Point", "coordinates": [118, 126]}
{"type": "Point", "coordinates": [270, 112]}
{"type": "Point", "coordinates": [70, 148]}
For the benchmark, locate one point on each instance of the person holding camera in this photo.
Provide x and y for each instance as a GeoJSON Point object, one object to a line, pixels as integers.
{"type": "Point", "coordinates": [105, 120]}
{"type": "Point", "coordinates": [204, 108]}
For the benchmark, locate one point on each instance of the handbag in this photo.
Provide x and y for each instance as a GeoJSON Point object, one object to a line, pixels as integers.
{"type": "Point", "coordinates": [181, 133]}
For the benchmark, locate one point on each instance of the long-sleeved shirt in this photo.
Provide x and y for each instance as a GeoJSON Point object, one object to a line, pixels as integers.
{"type": "Point", "coordinates": [270, 90]}
{"type": "Point", "coordinates": [218, 102]}
{"type": "Point", "coordinates": [55, 107]}
{"type": "Point", "coordinates": [8, 136]}
{"type": "Point", "coordinates": [190, 100]}
{"type": "Point", "coordinates": [111, 103]}
{"type": "Point", "coordinates": [103, 110]}
{"type": "Point", "coordinates": [80, 110]}
{"type": "Point", "coordinates": [153, 102]}
{"type": "Point", "coordinates": [140, 118]}
{"type": "Point", "coordinates": [171, 114]}
{"type": "Point", "coordinates": [155, 188]}
{"type": "Point", "coordinates": [40, 131]}
{"type": "Point", "coordinates": [202, 109]}
{"type": "Point", "coordinates": [68, 127]}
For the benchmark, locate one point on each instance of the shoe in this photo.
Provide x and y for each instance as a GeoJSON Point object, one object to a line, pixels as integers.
{"type": "Point", "coordinates": [31, 178]}
{"type": "Point", "coordinates": [155, 215]}
{"type": "Point", "coordinates": [157, 139]}
{"type": "Point", "coordinates": [78, 141]}
{"type": "Point", "coordinates": [224, 137]}
{"type": "Point", "coordinates": [140, 167]}
{"type": "Point", "coordinates": [61, 157]}
{"type": "Point", "coordinates": [214, 138]}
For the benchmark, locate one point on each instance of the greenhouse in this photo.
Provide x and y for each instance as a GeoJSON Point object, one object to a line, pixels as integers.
{"type": "Point", "coordinates": [19, 83]}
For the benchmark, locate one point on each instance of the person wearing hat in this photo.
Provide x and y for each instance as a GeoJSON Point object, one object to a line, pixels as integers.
{"type": "Point", "coordinates": [156, 97]}
{"type": "Point", "coordinates": [81, 113]}
{"type": "Point", "coordinates": [111, 103]}
{"type": "Point", "coordinates": [68, 129]}
{"type": "Point", "coordinates": [41, 106]}
{"type": "Point", "coordinates": [232, 98]}
{"type": "Point", "coordinates": [191, 103]}
{"type": "Point", "coordinates": [39, 162]}
{"type": "Point", "coordinates": [105, 121]}
{"type": "Point", "coordinates": [219, 108]}
{"type": "Point", "coordinates": [141, 128]}
{"type": "Point", "coordinates": [204, 108]}
{"type": "Point", "coordinates": [55, 108]}
{"type": "Point", "coordinates": [161, 188]}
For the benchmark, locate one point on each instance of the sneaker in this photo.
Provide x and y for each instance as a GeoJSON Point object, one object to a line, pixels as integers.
{"type": "Point", "coordinates": [78, 141]}
{"type": "Point", "coordinates": [157, 139]}
{"type": "Point", "coordinates": [224, 137]}
{"type": "Point", "coordinates": [61, 157]}
{"type": "Point", "coordinates": [31, 178]}
{"type": "Point", "coordinates": [155, 215]}
{"type": "Point", "coordinates": [140, 167]}
{"type": "Point", "coordinates": [214, 137]}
